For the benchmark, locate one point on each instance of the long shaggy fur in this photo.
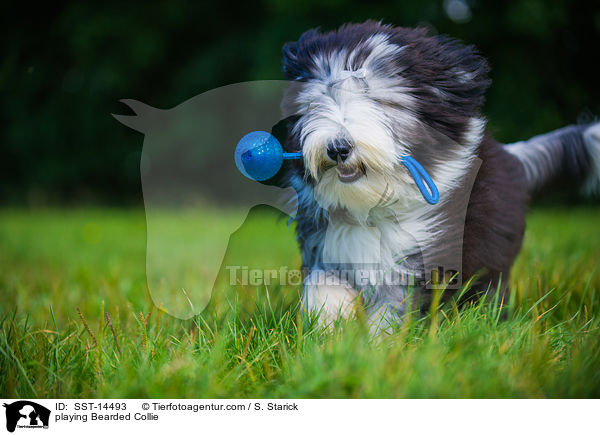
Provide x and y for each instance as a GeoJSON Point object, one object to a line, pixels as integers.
{"type": "Point", "coordinates": [388, 92]}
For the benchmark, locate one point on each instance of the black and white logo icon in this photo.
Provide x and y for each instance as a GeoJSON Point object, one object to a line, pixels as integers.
{"type": "Point", "coordinates": [25, 414]}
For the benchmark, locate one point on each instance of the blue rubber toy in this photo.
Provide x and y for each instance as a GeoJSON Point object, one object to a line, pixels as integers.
{"type": "Point", "coordinates": [422, 180]}
{"type": "Point", "coordinates": [259, 156]}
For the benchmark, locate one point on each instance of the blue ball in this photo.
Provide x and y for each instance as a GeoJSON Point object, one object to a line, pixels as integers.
{"type": "Point", "coordinates": [259, 155]}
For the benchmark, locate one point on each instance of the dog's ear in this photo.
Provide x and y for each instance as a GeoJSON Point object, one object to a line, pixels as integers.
{"type": "Point", "coordinates": [466, 74]}
{"type": "Point", "coordinates": [452, 72]}
{"type": "Point", "coordinates": [459, 92]}
{"type": "Point", "coordinates": [448, 78]}
{"type": "Point", "coordinates": [441, 67]}
{"type": "Point", "coordinates": [296, 59]}
{"type": "Point", "coordinates": [289, 52]}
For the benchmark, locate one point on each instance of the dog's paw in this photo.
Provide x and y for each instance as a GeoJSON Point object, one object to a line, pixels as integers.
{"type": "Point", "coordinates": [328, 297]}
{"type": "Point", "coordinates": [383, 320]}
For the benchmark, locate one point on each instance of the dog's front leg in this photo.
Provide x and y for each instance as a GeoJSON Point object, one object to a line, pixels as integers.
{"type": "Point", "coordinates": [328, 296]}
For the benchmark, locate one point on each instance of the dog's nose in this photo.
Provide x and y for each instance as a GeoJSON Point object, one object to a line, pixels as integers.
{"type": "Point", "coordinates": [339, 147]}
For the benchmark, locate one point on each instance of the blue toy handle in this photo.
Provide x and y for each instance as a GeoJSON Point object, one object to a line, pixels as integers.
{"type": "Point", "coordinates": [292, 156]}
{"type": "Point", "coordinates": [430, 192]}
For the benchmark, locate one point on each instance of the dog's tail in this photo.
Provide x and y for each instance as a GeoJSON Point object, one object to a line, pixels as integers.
{"type": "Point", "coordinates": [573, 151]}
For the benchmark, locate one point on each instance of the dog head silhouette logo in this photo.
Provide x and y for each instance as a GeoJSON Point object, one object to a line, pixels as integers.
{"type": "Point", "coordinates": [26, 414]}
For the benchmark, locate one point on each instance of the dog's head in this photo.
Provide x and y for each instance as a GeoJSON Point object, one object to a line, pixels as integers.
{"type": "Point", "coordinates": [366, 94]}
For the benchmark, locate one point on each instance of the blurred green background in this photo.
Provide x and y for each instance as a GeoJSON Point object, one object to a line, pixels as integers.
{"type": "Point", "coordinates": [65, 67]}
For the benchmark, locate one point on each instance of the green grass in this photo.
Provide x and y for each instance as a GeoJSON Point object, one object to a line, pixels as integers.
{"type": "Point", "coordinates": [63, 273]}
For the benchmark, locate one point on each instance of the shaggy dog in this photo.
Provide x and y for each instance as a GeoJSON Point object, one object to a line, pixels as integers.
{"type": "Point", "coordinates": [360, 98]}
